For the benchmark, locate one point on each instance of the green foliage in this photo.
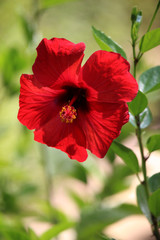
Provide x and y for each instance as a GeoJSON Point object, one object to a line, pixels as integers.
{"type": "Point", "coordinates": [136, 18]}
{"type": "Point", "coordinates": [106, 43]}
{"type": "Point", "coordinates": [143, 201]}
{"type": "Point", "coordinates": [78, 200]}
{"type": "Point", "coordinates": [52, 214]}
{"type": "Point", "coordinates": [94, 219]}
{"type": "Point", "coordinates": [79, 172]}
{"type": "Point", "coordinates": [153, 143]}
{"type": "Point", "coordinates": [32, 235]}
{"type": "Point", "coordinates": [154, 182]}
{"type": "Point", "coordinates": [13, 62]}
{"type": "Point", "coordinates": [55, 230]}
{"type": "Point", "coordinates": [22, 196]}
{"type": "Point", "coordinates": [150, 80]}
{"type": "Point", "coordinates": [154, 203]}
{"type": "Point", "coordinates": [138, 104]}
{"type": "Point", "coordinates": [116, 181]}
{"type": "Point", "coordinates": [145, 118]}
{"type": "Point", "coordinates": [150, 40]}
{"type": "Point", "coordinates": [127, 155]}
{"type": "Point", "coordinates": [28, 28]}
{"type": "Point", "coordinates": [51, 3]}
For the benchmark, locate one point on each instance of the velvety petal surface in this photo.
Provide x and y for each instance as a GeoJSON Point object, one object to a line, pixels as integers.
{"type": "Point", "coordinates": [108, 78]}
{"type": "Point", "coordinates": [37, 105]}
{"type": "Point", "coordinates": [102, 127]}
{"type": "Point", "coordinates": [67, 137]}
{"type": "Point", "coordinates": [58, 62]}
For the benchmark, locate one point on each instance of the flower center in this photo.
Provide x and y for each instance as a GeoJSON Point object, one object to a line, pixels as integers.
{"type": "Point", "coordinates": [68, 114]}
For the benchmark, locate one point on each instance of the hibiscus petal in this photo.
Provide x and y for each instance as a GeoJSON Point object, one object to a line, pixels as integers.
{"type": "Point", "coordinates": [102, 127]}
{"type": "Point", "coordinates": [58, 61]}
{"type": "Point", "coordinates": [67, 137]}
{"type": "Point", "coordinates": [108, 78]}
{"type": "Point", "coordinates": [37, 105]}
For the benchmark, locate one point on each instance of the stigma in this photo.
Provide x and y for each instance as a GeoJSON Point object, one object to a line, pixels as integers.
{"type": "Point", "coordinates": [68, 114]}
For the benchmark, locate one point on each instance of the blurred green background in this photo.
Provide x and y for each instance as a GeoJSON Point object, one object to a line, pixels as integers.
{"type": "Point", "coordinates": [36, 181]}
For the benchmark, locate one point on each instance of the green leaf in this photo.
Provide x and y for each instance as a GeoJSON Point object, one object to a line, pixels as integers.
{"type": "Point", "coordinates": [54, 231]}
{"type": "Point", "coordinates": [154, 203]}
{"type": "Point", "coordinates": [51, 3]}
{"type": "Point", "coordinates": [142, 201]}
{"type": "Point", "coordinates": [106, 43]}
{"type": "Point", "coordinates": [28, 28]}
{"type": "Point", "coordinates": [136, 18]}
{"type": "Point", "coordinates": [150, 80]}
{"type": "Point", "coordinates": [52, 214]}
{"type": "Point", "coordinates": [153, 143]}
{"type": "Point", "coordinates": [14, 234]}
{"type": "Point", "coordinates": [95, 218]}
{"type": "Point", "coordinates": [102, 237]}
{"type": "Point", "coordinates": [127, 155]}
{"type": "Point", "coordinates": [145, 118]}
{"type": "Point", "coordinates": [150, 40]}
{"type": "Point", "coordinates": [154, 182]}
{"type": "Point", "coordinates": [79, 172]}
{"type": "Point", "coordinates": [138, 104]}
{"type": "Point", "coordinates": [32, 235]}
{"type": "Point", "coordinates": [116, 181]}
{"type": "Point", "coordinates": [78, 200]}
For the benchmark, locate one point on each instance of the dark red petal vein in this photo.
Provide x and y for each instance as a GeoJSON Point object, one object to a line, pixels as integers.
{"type": "Point", "coordinates": [67, 137]}
{"type": "Point", "coordinates": [37, 105]}
{"type": "Point", "coordinates": [108, 75]}
{"type": "Point", "coordinates": [101, 128]}
{"type": "Point", "coordinates": [58, 61]}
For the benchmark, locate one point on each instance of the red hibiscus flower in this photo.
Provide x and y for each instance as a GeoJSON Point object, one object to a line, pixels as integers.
{"type": "Point", "coordinates": [75, 108]}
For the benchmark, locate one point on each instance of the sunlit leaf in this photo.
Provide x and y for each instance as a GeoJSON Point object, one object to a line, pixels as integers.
{"type": "Point", "coordinates": [154, 182]}
{"type": "Point", "coordinates": [52, 214]}
{"type": "Point", "coordinates": [51, 3]}
{"type": "Point", "coordinates": [14, 234]}
{"type": "Point", "coordinates": [138, 104]}
{"type": "Point", "coordinates": [32, 235]}
{"type": "Point", "coordinates": [77, 199]}
{"type": "Point", "coordinates": [143, 201]}
{"type": "Point", "coordinates": [154, 203]}
{"type": "Point", "coordinates": [153, 143]}
{"type": "Point", "coordinates": [150, 40]}
{"type": "Point", "coordinates": [55, 230]}
{"type": "Point", "coordinates": [127, 155]}
{"type": "Point", "coordinates": [13, 62]}
{"type": "Point", "coordinates": [106, 43]}
{"type": "Point", "coordinates": [145, 118]}
{"type": "Point", "coordinates": [150, 80]}
{"type": "Point", "coordinates": [94, 219]}
{"type": "Point", "coordinates": [116, 181]}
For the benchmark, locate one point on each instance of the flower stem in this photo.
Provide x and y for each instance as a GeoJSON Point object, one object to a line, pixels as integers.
{"type": "Point", "coordinates": [154, 15]}
{"type": "Point", "coordinates": [139, 132]}
{"type": "Point", "coordinates": [140, 54]}
{"type": "Point", "coordinates": [139, 137]}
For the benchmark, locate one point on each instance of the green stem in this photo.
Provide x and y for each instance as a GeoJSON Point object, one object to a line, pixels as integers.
{"type": "Point", "coordinates": [139, 135]}
{"type": "Point", "coordinates": [135, 59]}
{"type": "Point", "coordinates": [154, 15]}
{"type": "Point", "coordinates": [145, 182]}
{"type": "Point", "coordinates": [47, 175]}
{"type": "Point", "coordinates": [140, 54]}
